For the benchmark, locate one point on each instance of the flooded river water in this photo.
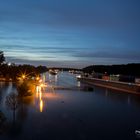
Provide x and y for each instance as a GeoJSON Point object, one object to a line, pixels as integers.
{"type": "Point", "coordinates": [74, 114]}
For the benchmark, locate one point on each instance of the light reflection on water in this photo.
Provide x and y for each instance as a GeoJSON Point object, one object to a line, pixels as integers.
{"type": "Point", "coordinates": [79, 84]}
{"type": "Point", "coordinates": [41, 105]}
{"type": "Point", "coordinates": [71, 114]}
{"type": "Point", "coordinates": [39, 100]}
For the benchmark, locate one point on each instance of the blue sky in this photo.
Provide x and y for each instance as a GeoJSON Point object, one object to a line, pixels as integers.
{"type": "Point", "coordinates": [70, 33]}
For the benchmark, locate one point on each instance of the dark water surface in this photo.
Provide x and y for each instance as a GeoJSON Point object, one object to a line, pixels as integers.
{"type": "Point", "coordinates": [75, 114]}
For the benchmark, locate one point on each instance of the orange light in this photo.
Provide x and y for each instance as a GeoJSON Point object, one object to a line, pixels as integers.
{"type": "Point", "coordinates": [23, 76]}
{"type": "Point", "coordinates": [40, 95]}
{"type": "Point", "coordinates": [37, 78]}
{"type": "Point", "coordinates": [41, 106]}
{"type": "Point", "coordinates": [42, 85]}
{"type": "Point", "coordinates": [36, 94]}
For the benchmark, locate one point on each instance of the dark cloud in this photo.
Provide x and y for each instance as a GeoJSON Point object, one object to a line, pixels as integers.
{"type": "Point", "coordinates": [104, 54]}
{"type": "Point", "coordinates": [74, 13]}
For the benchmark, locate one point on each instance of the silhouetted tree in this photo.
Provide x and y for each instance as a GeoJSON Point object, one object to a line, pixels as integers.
{"type": "Point", "coordinates": [2, 58]}
{"type": "Point", "coordinates": [41, 69]}
{"type": "Point", "coordinates": [128, 69]}
{"type": "Point", "coordinates": [12, 103]}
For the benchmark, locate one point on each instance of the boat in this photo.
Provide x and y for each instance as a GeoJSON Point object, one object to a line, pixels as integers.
{"type": "Point", "coordinates": [53, 72]}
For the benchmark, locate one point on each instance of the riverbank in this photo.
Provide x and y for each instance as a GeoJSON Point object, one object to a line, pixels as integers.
{"type": "Point", "coordinates": [5, 80]}
{"type": "Point", "coordinates": [120, 86]}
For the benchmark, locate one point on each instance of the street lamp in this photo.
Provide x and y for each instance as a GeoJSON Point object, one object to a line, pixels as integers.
{"type": "Point", "coordinates": [37, 78]}
{"type": "Point", "coordinates": [23, 76]}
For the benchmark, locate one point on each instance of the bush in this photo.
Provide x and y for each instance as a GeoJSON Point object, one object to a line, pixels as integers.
{"type": "Point", "coordinates": [24, 89]}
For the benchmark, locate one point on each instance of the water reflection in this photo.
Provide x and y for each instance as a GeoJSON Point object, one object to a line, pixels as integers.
{"type": "Point", "coordinates": [106, 92]}
{"type": "Point", "coordinates": [12, 104]}
{"type": "Point", "coordinates": [78, 84]}
{"type": "Point", "coordinates": [41, 105]}
{"type": "Point", "coordinates": [2, 122]}
{"type": "Point", "coordinates": [128, 100]}
{"type": "Point", "coordinates": [14, 109]}
{"type": "Point", "coordinates": [39, 98]}
{"type": "Point", "coordinates": [118, 96]}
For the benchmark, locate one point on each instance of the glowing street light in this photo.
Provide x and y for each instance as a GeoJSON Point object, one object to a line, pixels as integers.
{"type": "Point", "coordinates": [37, 78]}
{"type": "Point", "coordinates": [23, 76]}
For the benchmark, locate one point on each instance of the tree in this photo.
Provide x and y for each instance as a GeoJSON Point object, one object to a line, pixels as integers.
{"type": "Point", "coordinates": [12, 103]}
{"type": "Point", "coordinates": [2, 58]}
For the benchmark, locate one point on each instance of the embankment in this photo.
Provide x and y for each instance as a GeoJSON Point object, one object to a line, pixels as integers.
{"type": "Point", "coordinates": [116, 85]}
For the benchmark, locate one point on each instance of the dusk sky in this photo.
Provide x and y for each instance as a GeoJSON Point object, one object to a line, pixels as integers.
{"type": "Point", "coordinates": [70, 33]}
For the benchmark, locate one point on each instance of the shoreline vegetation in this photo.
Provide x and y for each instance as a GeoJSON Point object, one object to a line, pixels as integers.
{"type": "Point", "coordinates": [25, 89]}
{"type": "Point", "coordinates": [131, 69]}
{"type": "Point", "coordinates": [24, 77]}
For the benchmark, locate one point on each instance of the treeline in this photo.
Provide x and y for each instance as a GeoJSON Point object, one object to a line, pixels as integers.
{"type": "Point", "coordinates": [2, 58]}
{"type": "Point", "coordinates": [12, 71]}
{"type": "Point", "coordinates": [128, 69]}
{"type": "Point", "coordinates": [64, 69]}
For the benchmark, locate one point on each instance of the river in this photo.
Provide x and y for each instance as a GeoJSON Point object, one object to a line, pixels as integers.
{"type": "Point", "coordinates": [78, 112]}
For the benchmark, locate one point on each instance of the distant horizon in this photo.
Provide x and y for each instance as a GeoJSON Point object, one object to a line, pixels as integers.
{"type": "Point", "coordinates": [70, 67]}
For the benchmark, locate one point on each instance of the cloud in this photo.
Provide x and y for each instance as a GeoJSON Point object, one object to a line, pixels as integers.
{"type": "Point", "coordinates": [98, 14]}
{"type": "Point", "coordinates": [50, 63]}
{"type": "Point", "coordinates": [108, 54]}
{"type": "Point", "coordinates": [66, 32]}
